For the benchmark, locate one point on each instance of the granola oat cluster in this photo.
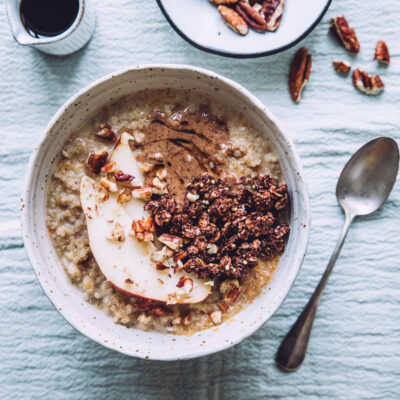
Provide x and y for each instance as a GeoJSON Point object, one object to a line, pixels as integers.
{"type": "Point", "coordinates": [224, 225]}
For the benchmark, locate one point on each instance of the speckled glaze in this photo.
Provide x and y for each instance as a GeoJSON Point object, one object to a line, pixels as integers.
{"type": "Point", "coordinates": [69, 301]}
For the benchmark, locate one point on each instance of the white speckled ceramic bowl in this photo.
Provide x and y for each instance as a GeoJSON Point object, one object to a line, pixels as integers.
{"type": "Point", "coordinates": [69, 301]}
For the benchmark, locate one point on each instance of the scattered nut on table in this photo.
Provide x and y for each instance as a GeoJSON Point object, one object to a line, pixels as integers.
{"type": "Point", "coordinates": [347, 36]}
{"type": "Point", "coordinates": [371, 85]}
{"type": "Point", "coordinates": [299, 73]}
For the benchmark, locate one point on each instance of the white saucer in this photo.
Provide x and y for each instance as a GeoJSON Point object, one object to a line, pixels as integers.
{"type": "Point", "coordinates": [199, 23]}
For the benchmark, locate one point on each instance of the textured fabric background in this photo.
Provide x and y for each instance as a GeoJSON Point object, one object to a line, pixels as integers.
{"type": "Point", "coordinates": [355, 348]}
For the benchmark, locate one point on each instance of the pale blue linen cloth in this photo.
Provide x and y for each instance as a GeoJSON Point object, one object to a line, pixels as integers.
{"type": "Point", "coordinates": [355, 348]}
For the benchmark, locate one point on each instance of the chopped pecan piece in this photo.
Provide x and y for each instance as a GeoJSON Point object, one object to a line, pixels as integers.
{"type": "Point", "coordinates": [159, 311]}
{"type": "Point", "coordinates": [183, 281]}
{"type": "Point", "coordinates": [342, 67]}
{"type": "Point", "coordinates": [109, 185]}
{"type": "Point", "coordinates": [145, 303]}
{"type": "Point", "coordinates": [146, 167]}
{"type": "Point", "coordinates": [273, 10]}
{"type": "Point", "coordinates": [160, 266]}
{"type": "Point", "coordinates": [143, 193]}
{"type": "Point", "coordinates": [299, 73]}
{"type": "Point", "coordinates": [143, 228]}
{"type": "Point", "coordinates": [371, 85]}
{"type": "Point", "coordinates": [216, 317]}
{"type": "Point", "coordinates": [382, 52]}
{"type": "Point", "coordinates": [106, 132]}
{"type": "Point", "coordinates": [110, 167]}
{"type": "Point", "coordinates": [180, 255]}
{"type": "Point", "coordinates": [346, 35]}
{"type": "Point", "coordinates": [96, 161]}
{"type": "Point", "coordinates": [161, 255]}
{"type": "Point", "coordinates": [251, 16]}
{"type": "Point", "coordinates": [233, 20]}
{"type": "Point", "coordinates": [172, 241]}
{"type": "Point", "coordinates": [230, 290]}
{"type": "Point", "coordinates": [185, 285]}
{"type": "Point", "coordinates": [121, 177]}
{"type": "Point", "coordinates": [124, 197]}
{"type": "Point", "coordinates": [223, 306]}
{"type": "Point", "coordinates": [187, 319]}
{"type": "Point", "coordinates": [158, 187]}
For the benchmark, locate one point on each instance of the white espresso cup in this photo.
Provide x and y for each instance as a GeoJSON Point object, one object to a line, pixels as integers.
{"type": "Point", "coordinates": [67, 42]}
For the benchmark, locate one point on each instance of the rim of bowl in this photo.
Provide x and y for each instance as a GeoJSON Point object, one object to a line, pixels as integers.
{"type": "Point", "coordinates": [243, 55]}
{"type": "Point", "coordinates": [301, 246]}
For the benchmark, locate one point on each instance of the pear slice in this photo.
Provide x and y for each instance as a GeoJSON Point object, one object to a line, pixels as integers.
{"type": "Point", "coordinates": [124, 261]}
{"type": "Point", "coordinates": [122, 155]}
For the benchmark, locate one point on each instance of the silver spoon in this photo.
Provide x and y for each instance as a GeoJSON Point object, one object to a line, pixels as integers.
{"type": "Point", "coordinates": [363, 187]}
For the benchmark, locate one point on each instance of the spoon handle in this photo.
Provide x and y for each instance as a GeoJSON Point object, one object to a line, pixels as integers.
{"type": "Point", "coordinates": [293, 348]}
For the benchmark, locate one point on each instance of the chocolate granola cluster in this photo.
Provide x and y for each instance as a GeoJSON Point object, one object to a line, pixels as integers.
{"type": "Point", "coordinates": [225, 225]}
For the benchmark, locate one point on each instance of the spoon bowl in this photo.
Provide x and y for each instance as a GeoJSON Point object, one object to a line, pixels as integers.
{"type": "Point", "coordinates": [368, 177]}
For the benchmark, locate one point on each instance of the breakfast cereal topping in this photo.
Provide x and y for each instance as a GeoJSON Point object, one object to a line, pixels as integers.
{"type": "Point", "coordinates": [106, 132]}
{"type": "Point", "coordinates": [142, 229]}
{"type": "Point", "coordinates": [96, 161]}
{"type": "Point", "coordinates": [240, 220]}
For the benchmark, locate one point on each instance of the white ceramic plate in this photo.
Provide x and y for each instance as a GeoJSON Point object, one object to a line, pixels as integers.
{"type": "Point", "coordinates": [69, 301]}
{"type": "Point", "coordinates": [199, 23]}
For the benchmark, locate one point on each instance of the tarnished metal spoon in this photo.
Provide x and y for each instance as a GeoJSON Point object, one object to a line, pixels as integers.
{"type": "Point", "coordinates": [363, 187]}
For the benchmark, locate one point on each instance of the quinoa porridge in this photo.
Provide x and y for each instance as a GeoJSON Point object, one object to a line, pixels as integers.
{"type": "Point", "coordinates": [212, 210]}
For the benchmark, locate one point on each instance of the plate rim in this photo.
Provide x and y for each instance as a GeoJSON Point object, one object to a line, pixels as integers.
{"type": "Point", "coordinates": [243, 55]}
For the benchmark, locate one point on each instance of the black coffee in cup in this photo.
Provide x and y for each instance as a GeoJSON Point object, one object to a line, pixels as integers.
{"type": "Point", "coordinates": [43, 18]}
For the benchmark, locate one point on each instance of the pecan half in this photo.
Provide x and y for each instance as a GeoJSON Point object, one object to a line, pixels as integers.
{"type": "Point", "coordinates": [273, 10]}
{"type": "Point", "coordinates": [341, 66]}
{"type": "Point", "coordinates": [382, 52]}
{"type": "Point", "coordinates": [96, 161]}
{"type": "Point", "coordinates": [371, 85]}
{"type": "Point", "coordinates": [347, 35]}
{"type": "Point", "coordinates": [233, 20]}
{"type": "Point", "coordinates": [299, 73]}
{"type": "Point", "coordinates": [251, 16]}
{"type": "Point", "coordinates": [106, 132]}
